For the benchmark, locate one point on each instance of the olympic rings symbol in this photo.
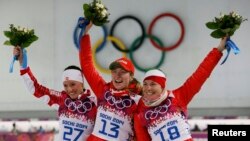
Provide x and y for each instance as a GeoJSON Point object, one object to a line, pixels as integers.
{"type": "Point", "coordinates": [180, 24]}
{"type": "Point", "coordinates": [153, 114]}
{"type": "Point", "coordinates": [95, 49]}
{"type": "Point", "coordinates": [78, 105]}
{"type": "Point", "coordinates": [136, 46]}
{"type": "Point", "coordinates": [120, 103]}
{"type": "Point", "coordinates": [137, 43]}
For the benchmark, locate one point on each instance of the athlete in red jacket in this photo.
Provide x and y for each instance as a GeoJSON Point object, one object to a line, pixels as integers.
{"type": "Point", "coordinates": [162, 114]}
{"type": "Point", "coordinates": [116, 103]}
{"type": "Point", "coordinates": [76, 109]}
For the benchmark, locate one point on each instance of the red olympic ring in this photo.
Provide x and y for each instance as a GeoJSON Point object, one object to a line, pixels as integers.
{"type": "Point", "coordinates": [167, 48]}
{"type": "Point", "coordinates": [125, 50]}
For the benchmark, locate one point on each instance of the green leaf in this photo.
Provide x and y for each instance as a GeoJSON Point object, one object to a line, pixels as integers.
{"type": "Point", "coordinates": [86, 7]}
{"type": "Point", "coordinates": [15, 42]}
{"type": "Point", "coordinates": [227, 30]}
{"type": "Point", "coordinates": [26, 44]}
{"type": "Point", "coordinates": [88, 15]}
{"type": "Point", "coordinates": [33, 38]}
{"type": "Point", "coordinates": [97, 23]}
{"type": "Point", "coordinates": [29, 41]}
{"type": "Point", "coordinates": [218, 34]}
{"type": "Point", "coordinates": [212, 25]}
{"type": "Point", "coordinates": [231, 33]}
{"type": "Point", "coordinates": [8, 34]}
{"type": "Point", "coordinates": [7, 43]}
{"type": "Point", "coordinates": [236, 27]}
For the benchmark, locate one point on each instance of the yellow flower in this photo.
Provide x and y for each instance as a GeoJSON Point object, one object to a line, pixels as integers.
{"type": "Point", "coordinates": [100, 6]}
{"type": "Point", "coordinates": [18, 36]}
{"type": "Point", "coordinates": [225, 24]}
{"type": "Point", "coordinates": [96, 12]}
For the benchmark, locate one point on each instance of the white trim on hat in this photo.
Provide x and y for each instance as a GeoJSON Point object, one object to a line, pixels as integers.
{"type": "Point", "coordinates": [154, 72]}
{"type": "Point", "coordinates": [72, 74]}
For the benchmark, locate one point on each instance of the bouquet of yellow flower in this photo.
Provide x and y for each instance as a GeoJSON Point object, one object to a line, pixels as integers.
{"type": "Point", "coordinates": [225, 25]}
{"type": "Point", "coordinates": [96, 12]}
{"type": "Point", "coordinates": [18, 36]}
{"type": "Point", "coordinates": [22, 37]}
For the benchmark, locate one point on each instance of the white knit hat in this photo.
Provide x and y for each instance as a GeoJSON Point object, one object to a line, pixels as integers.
{"type": "Point", "coordinates": [156, 76]}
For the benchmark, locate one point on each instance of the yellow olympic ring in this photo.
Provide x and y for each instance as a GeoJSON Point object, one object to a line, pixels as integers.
{"type": "Point", "coordinates": [97, 44]}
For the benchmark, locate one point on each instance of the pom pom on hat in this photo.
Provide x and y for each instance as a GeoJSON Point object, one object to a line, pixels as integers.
{"type": "Point", "coordinates": [124, 63]}
{"type": "Point", "coordinates": [156, 76]}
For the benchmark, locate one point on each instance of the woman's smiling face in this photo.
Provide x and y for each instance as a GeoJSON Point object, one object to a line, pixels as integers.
{"type": "Point", "coordinates": [120, 78]}
{"type": "Point", "coordinates": [151, 91]}
{"type": "Point", "coordinates": [73, 88]}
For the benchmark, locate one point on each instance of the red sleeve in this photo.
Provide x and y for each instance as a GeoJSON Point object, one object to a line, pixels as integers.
{"type": "Point", "coordinates": [47, 95]}
{"type": "Point", "coordinates": [193, 84]}
{"type": "Point", "coordinates": [95, 81]}
{"type": "Point", "coordinates": [141, 132]}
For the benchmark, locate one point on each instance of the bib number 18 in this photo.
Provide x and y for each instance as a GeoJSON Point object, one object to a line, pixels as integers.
{"type": "Point", "coordinates": [173, 133]}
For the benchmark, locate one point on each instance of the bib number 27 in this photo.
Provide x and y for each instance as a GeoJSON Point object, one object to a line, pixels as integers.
{"type": "Point", "coordinates": [69, 132]}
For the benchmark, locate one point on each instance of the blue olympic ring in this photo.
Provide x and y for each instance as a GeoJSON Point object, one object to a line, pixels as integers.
{"type": "Point", "coordinates": [81, 24]}
{"type": "Point", "coordinates": [139, 42]}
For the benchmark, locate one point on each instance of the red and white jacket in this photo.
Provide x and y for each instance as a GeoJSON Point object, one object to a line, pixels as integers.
{"type": "Point", "coordinates": [115, 112]}
{"type": "Point", "coordinates": [76, 117]}
{"type": "Point", "coordinates": [168, 121]}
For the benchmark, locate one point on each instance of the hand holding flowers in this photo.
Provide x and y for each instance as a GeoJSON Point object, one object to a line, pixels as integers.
{"type": "Point", "coordinates": [225, 26]}
{"type": "Point", "coordinates": [96, 12]}
{"type": "Point", "coordinates": [19, 38]}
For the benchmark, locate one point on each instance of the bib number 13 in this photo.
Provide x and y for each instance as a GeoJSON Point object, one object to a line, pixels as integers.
{"type": "Point", "coordinates": [112, 132]}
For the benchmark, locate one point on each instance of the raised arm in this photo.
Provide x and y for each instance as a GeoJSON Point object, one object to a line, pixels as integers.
{"type": "Point", "coordinates": [95, 81]}
{"type": "Point", "coordinates": [49, 96]}
{"type": "Point", "coordinates": [194, 83]}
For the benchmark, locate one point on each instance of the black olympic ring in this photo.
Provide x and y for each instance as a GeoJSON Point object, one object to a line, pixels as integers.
{"type": "Point", "coordinates": [153, 114]}
{"type": "Point", "coordinates": [155, 42]}
{"type": "Point", "coordinates": [78, 105]}
{"type": "Point", "coordinates": [120, 103]}
{"type": "Point", "coordinates": [132, 57]}
{"type": "Point", "coordinates": [142, 30]}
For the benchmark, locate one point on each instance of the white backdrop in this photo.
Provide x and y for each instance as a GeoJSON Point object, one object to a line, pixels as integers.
{"type": "Point", "coordinates": [54, 23]}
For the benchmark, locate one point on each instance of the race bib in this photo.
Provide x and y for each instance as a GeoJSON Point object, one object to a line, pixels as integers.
{"type": "Point", "coordinates": [173, 129]}
{"type": "Point", "coordinates": [74, 130]}
{"type": "Point", "coordinates": [112, 127]}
